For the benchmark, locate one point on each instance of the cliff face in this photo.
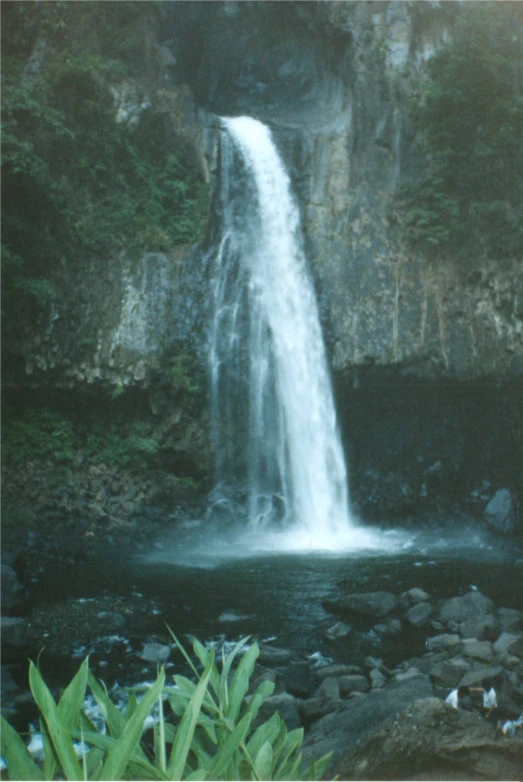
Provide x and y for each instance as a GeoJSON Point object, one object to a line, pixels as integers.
{"type": "Point", "coordinates": [333, 80]}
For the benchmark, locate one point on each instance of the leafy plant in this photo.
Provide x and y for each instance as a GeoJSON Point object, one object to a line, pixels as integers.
{"type": "Point", "coordinates": [217, 737]}
{"type": "Point", "coordinates": [36, 435]}
{"type": "Point", "coordinates": [77, 184]}
{"type": "Point", "coordinates": [469, 118]}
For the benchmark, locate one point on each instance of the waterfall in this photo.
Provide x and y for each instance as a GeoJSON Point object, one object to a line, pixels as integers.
{"type": "Point", "coordinates": [269, 376]}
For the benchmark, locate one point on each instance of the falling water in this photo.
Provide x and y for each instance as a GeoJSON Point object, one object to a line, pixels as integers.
{"type": "Point", "coordinates": [269, 373]}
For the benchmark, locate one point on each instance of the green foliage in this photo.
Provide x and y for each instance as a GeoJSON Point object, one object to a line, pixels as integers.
{"type": "Point", "coordinates": [218, 736]}
{"type": "Point", "coordinates": [182, 373]}
{"type": "Point", "coordinates": [75, 183]}
{"type": "Point", "coordinates": [107, 445]}
{"type": "Point", "coordinates": [37, 435]}
{"type": "Point", "coordinates": [469, 198]}
{"type": "Point", "coordinates": [117, 392]}
{"type": "Point", "coordinates": [40, 434]}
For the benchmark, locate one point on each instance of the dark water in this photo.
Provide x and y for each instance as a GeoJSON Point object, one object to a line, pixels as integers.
{"type": "Point", "coordinates": [197, 589]}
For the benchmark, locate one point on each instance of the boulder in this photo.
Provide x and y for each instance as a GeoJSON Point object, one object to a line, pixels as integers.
{"type": "Point", "coordinates": [484, 628]}
{"type": "Point", "coordinates": [338, 630]}
{"type": "Point", "coordinates": [155, 653]}
{"type": "Point", "coordinates": [298, 680]}
{"type": "Point", "coordinates": [338, 669]}
{"type": "Point", "coordinates": [475, 677]}
{"type": "Point", "coordinates": [391, 626]}
{"type": "Point", "coordinates": [287, 707]}
{"type": "Point", "coordinates": [419, 615]}
{"type": "Point", "coordinates": [478, 650]}
{"type": "Point", "coordinates": [341, 730]}
{"type": "Point", "coordinates": [14, 631]}
{"type": "Point", "coordinates": [516, 647]}
{"type": "Point", "coordinates": [510, 619]}
{"type": "Point", "coordinates": [504, 642]}
{"type": "Point", "coordinates": [313, 708]}
{"type": "Point", "coordinates": [502, 511]}
{"type": "Point", "coordinates": [410, 673]}
{"type": "Point", "coordinates": [471, 605]}
{"type": "Point", "coordinates": [366, 603]}
{"type": "Point", "coordinates": [13, 593]}
{"type": "Point", "coordinates": [450, 672]}
{"type": "Point", "coordinates": [354, 683]}
{"type": "Point", "coordinates": [272, 655]}
{"type": "Point", "coordinates": [431, 740]}
{"type": "Point", "coordinates": [329, 688]}
{"type": "Point", "coordinates": [444, 641]}
{"type": "Point", "coordinates": [415, 595]}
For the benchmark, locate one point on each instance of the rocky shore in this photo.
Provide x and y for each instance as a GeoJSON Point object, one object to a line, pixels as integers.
{"type": "Point", "coordinates": [379, 721]}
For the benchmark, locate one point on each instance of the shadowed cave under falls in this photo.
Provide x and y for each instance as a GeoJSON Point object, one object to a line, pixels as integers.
{"type": "Point", "coordinates": [274, 428]}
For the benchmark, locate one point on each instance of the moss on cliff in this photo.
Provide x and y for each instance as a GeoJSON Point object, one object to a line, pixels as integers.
{"type": "Point", "coordinates": [469, 116]}
{"type": "Point", "coordinates": [91, 164]}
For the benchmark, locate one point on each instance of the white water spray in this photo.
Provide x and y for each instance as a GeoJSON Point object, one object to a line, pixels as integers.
{"type": "Point", "coordinates": [269, 374]}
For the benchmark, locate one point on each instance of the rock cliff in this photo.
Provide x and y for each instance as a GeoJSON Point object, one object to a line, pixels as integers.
{"type": "Point", "coordinates": [409, 336]}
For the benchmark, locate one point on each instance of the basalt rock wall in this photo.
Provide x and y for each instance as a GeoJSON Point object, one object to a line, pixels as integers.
{"type": "Point", "coordinates": [333, 80]}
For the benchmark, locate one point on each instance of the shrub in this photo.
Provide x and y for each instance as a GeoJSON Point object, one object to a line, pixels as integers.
{"type": "Point", "coordinates": [469, 117]}
{"type": "Point", "coordinates": [217, 736]}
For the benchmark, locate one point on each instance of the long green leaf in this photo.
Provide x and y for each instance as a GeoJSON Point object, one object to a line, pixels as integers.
{"type": "Point", "coordinates": [226, 752]}
{"type": "Point", "coordinates": [203, 655]}
{"type": "Point", "coordinates": [263, 691]}
{"type": "Point", "coordinates": [292, 743]}
{"type": "Point", "coordinates": [129, 738]}
{"type": "Point", "coordinates": [240, 682]}
{"type": "Point", "coordinates": [223, 687]}
{"type": "Point", "coordinates": [58, 733]}
{"type": "Point", "coordinates": [113, 716]}
{"type": "Point", "coordinates": [267, 732]}
{"type": "Point", "coordinates": [105, 744]}
{"type": "Point", "coordinates": [20, 764]}
{"type": "Point", "coordinates": [263, 761]}
{"type": "Point", "coordinates": [72, 700]}
{"type": "Point", "coordinates": [50, 757]}
{"type": "Point", "coordinates": [185, 732]}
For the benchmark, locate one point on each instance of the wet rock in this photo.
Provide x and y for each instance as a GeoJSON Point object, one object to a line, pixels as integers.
{"type": "Point", "coordinates": [298, 680]}
{"type": "Point", "coordinates": [287, 707]}
{"type": "Point", "coordinates": [272, 655]}
{"type": "Point", "coordinates": [377, 678]}
{"type": "Point", "coordinates": [155, 653]}
{"type": "Point", "coordinates": [443, 641]}
{"type": "Point", "coordinates": [13, 592]}
{"type": "Point", "coordinates": [367, 603]}
{"type": "Point", "coordinates": [419, 615]}
{"type": "Point", "coordinates": [341, 730]}
{"type": "Point", "coordinates": [501, 512]}
{"type": "Point", "coordinates": [510, 619]}
{"type": "Point", "coordinates": [516, 647]}
{"type": "Point", "coordinates": [337, 669]}
{"type": "Point", "coordinates": [14, 630]}
{"type": "Point", "coordinates": [353, 683]}
{"type": "Point", "coordinates": [450, 672]}
{"type": "Point", "coordinates": [484, 628]}
{"type": "Point", "coordinates": [414, 596]}
{"type": "Point", "coordinates": [471, 605]}
{"type": "Point", "coordinates": [479, 650]}
{"type": "Point", "coordinates": [504, 642]}
{"type": "Point", "coordinates": [329, 688]}
{"type": "Point", "coordinates": [390, 627]}
{"type": "Point", "coordinates": [431, 737]}
{"type": "Point", "coordinates": [475, 677]}
{"type": "Point", "coordinates": [313, 709]}
{"type": "Point", "coordinates": [410, 673]}
{"type": "Point", "coordinates": [338, 630]}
